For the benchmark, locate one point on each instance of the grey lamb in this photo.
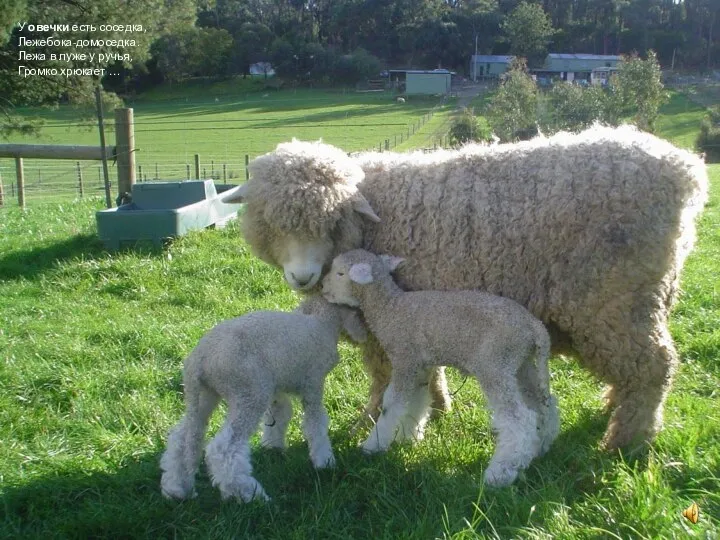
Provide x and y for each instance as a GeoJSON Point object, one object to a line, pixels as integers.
{"type": "Point", "coordinates": [254, 362]}
{"type": "Point", "coordinates": [492, 338]}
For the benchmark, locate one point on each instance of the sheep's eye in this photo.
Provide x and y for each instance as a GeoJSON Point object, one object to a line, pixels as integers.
{"type": "Point", "coordinates": [341, 274]}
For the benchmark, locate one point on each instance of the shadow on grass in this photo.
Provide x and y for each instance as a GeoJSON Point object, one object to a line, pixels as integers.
{"type": "Point", "coordinates": [382, 496]}
{"type": "Point", "coordinates": [32, 263]}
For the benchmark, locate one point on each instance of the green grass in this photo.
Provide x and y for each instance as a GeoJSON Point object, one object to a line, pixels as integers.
{"type": "Point", "coordinates": [91, 349]}
{"type": "Point", "coordinates": [221, 124]}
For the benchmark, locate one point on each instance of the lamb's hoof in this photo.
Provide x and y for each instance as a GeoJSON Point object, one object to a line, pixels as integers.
{"type": "Point", "coordinates": [248, 491]}
{"type": "Point", "coordinates": [326, 461]}
{"type": "Point", "coordinates": [178, 495]}
{"type": "Point", "coordinates": [499, 475]}
{"type": "Point", "coordinates": [176, 491]}
{"type": "Point", "coordinates": [370, 447]}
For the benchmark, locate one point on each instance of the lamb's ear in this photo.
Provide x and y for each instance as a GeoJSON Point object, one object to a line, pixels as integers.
{"type": "Point", "coordinates": [361, 273]}
{"type": "Point", "coordinates": [235, 195]}
{"type": "Point", "coordinates": [391, 262]}
{"type": "Point", "coordinates": [361, 206]}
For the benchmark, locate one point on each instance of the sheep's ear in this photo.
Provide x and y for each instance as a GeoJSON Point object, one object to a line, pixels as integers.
{"type": "Point", "coordinates": [235, 195]}
{"type": "Point", "coordinates": [391, 262]}
{"type": "Point", "coordinates": [361, 273]}
{"type": "Point", "coordinates": [361, 206]}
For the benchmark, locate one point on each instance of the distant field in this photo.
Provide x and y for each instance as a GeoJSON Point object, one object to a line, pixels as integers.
{"type": "Point", "coordinates": [222, 128]}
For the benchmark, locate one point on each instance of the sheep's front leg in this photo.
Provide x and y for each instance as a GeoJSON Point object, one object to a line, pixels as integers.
{"type": "Point", "coordinates": [315, 428]}
{"type": "Point", "coordinates": [395, 403]}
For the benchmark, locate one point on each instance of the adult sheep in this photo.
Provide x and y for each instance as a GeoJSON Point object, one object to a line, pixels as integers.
{"type": "Point", "coordinates": [589, 231]}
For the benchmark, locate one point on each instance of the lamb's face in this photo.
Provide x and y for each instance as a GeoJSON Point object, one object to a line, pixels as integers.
{"type": "Point", "coordinates": [337, 284]}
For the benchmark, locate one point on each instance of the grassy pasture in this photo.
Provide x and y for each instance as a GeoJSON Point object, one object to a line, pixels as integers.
{"type": "Point", "coordinates": [91, 347]}
{"type": "Point", "coordinates": [222, 127]}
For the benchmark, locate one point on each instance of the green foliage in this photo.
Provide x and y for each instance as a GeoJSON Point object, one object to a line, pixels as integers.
{"type": "Point", "coordinates": [571, 107]}
{"type": "Point", "coordinates": [529, 30]}
{"type": "Point", "coordinates": [512, 111]}
{"type": "Point", "coordinates": [640, 89]}
{"type": "Point", "coordinates": [467, 128]}
{"type": "Point", "coordinates": [709, 138]}
{"type": "Point", "coordinates": [194, 52]}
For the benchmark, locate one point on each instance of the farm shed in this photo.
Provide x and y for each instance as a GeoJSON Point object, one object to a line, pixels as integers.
{"type": "Point", "coordinates": [417, 81]}
{"type": "Point", "coordinates": [574, 67]}
{"type": "Point", "coordinates": [484, 66]}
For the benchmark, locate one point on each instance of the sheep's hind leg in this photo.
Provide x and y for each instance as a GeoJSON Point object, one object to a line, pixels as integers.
{"type": "Point", "coordinates": [639, 367]}
{"type": "Point", "coordinates": [180, 460]}
{"type": "Point", "coordinates": [518, 440]}
{"type": "Point", "coordinates": [315, 428]}
{"type": "Point", "coordinates": [276, 420]}
{"type": "Point", "coordinates": [228, 454]}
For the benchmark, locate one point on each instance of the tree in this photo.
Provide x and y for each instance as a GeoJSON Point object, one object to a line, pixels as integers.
{"type": "Point", "coordinates": [512, 111]}
{"type": "Point", "coordinates": [467, 128]}
{"type": "Point", "coordinates": [48, 79]}
{"type": "Point", "coordinates": [640, 89]}
{"type": "Point", "coordinates": [529, 31]}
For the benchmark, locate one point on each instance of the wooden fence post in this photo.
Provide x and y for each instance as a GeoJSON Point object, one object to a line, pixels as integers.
{"type": "Point", "coordinates": [125, 149]}
{"type": "Point", "coordinates": [20, 175]}
{"type": "Point", "coordinates": [247, 172]}
{"type": "Point", "coordinates": [103, 151]}
{"type": "Point", "coordinates": [80, 182]}
{"type": "Point", "coordinates": [224, 173]}
{"type": "Point", "coordinates": [187, 171]}
{"type": "Point", "coordinates": [197, 166]}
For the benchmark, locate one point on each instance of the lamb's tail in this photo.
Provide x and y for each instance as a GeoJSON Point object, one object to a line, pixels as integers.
{"type": "Point", "coordinates": [180, 461]}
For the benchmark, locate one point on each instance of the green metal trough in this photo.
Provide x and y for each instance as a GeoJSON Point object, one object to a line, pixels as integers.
{"type": "Point", "coordinates": [161, 210]}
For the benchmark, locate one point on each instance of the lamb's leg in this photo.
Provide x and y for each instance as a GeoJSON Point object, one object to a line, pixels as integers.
{"type": "Point", "coordinates": [516, 424]}
{"type": "Point", "coordinates": [379, 368]}
{"type": "Point", "coordinates": [180, 461]}
{"type": "Point", "coordinates": [395, 405]}
{"type": "Point", "coordinates": [276, 420]}
{"type": "Point", "coordinates": [536, 395]}
{"type": "Point", "coordinates": [228, 454]}
{"type": "Point", "coordinates": [315, 428]}
{"type": "Point", "coordinates": [412, 424]}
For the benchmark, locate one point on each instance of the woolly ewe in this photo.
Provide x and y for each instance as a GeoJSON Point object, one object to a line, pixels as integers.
{"type": "Point", "coordinates": [254, 362]}
{"type": "Point", "coordinates": [589, 231]}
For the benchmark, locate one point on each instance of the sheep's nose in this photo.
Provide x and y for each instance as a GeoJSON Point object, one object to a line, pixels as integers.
{"type": "Point", "coordinates": [302, 280]}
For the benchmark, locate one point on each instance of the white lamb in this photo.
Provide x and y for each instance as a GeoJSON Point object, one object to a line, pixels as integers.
{"type": "Point", "coordinates": [492, 338]}
{"type": "Point", "coordinates": [254, 362]}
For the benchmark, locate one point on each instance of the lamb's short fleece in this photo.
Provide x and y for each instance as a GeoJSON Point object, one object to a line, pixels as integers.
{"type": "Point", "coordinates": [253, 362]}
{"type": "Point", "coordinates": [492, 338]}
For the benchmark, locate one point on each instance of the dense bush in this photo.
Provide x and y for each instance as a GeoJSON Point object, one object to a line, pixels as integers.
{"type": "Point", "coordinates": [708, 140]}
{"type": "Point", "coordinates": [467, 128]}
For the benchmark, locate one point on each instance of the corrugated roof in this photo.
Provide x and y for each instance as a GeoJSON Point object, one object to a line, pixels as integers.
{"type": "Point", "coordinates": [492, 58]}
{"type": "Point", "coordinates": [566, 56]}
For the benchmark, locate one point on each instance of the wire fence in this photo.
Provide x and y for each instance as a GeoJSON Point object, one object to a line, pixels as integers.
{"type": "Point", "coordinates": [201, 148]}
{"type": "Point", "coordinates": [206, 148]}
